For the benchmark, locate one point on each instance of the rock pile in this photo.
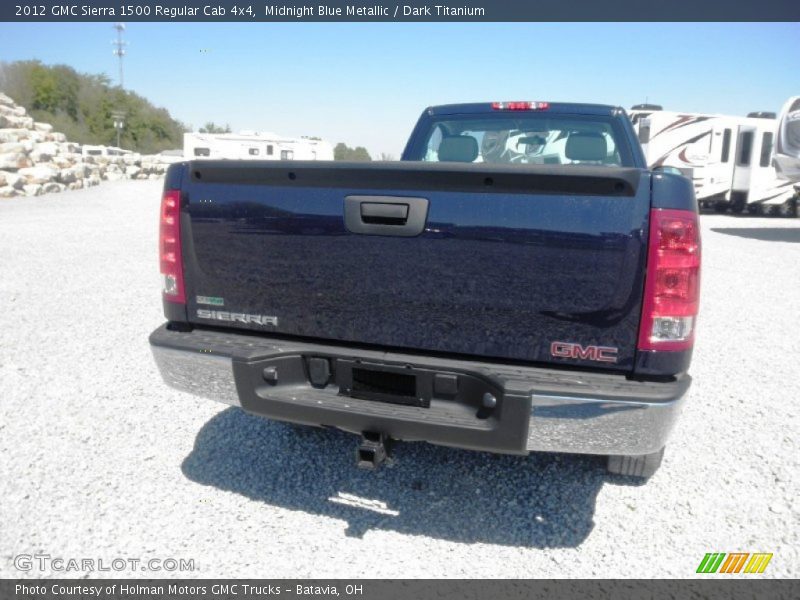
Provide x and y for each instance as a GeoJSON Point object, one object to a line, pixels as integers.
{"type": "Point", "coordinates": [36, 160]}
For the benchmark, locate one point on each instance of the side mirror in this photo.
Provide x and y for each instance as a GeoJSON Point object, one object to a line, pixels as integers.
{"type": "Point", "coordinates": [667, 169]}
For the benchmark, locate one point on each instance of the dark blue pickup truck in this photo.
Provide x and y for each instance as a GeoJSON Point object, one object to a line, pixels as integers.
{"type": "Point", "coordinates": [518, 282]}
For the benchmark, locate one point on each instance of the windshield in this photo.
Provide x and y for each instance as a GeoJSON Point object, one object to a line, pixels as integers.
{"type": "Point", "coordinates": [529, 139]}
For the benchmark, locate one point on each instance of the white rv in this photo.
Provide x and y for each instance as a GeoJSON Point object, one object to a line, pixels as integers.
{"type": "Point", "coordinates": [701, 146]}
{"type": "Point", "coordinates": [787, 145]}
{"type": "Point", "coordinates": [250, 145]}
{"type": "Point", "coordinates": [729, 159]}
{"type": "Point", "coordinates": [755, 178]}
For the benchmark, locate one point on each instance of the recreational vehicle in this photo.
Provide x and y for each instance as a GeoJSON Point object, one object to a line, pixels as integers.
{"type": "Point", "coordinates": [787, 145]}
{"type": "Point", "coordinates": [729, 158]}
{"type": "Point", "coordinates": [249, 145]}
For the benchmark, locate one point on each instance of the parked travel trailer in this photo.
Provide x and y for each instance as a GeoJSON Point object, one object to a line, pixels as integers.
{"type": "Point", "coordinates": [729, 159]}
{"type": "Point", "coordinates": [250, 145]}
{"type": "Point", "coordinates": [787, 145]}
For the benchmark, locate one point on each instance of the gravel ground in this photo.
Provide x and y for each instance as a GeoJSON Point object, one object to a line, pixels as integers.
{"type": "Point", "coordinates": [101, 460]}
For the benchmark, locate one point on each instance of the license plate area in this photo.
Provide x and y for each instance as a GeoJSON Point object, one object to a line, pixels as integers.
{"type": "Point", "coordinates": [384, 383]}
{"type": "Point", "coordinates": [368, 381]}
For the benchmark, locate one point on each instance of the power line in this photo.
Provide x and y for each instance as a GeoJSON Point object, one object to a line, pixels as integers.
{"type": "Point", "coordinates": [119, 50]}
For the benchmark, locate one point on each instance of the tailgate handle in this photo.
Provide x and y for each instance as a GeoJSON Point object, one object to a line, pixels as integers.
{"type": "Point", "coordinates": [385, 215]}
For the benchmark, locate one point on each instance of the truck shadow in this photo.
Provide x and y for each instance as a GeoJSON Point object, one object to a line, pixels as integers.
{"type": "Point", "coordinates": [541, 501]}
{"type": "Point", "coordinates": [766, 234]}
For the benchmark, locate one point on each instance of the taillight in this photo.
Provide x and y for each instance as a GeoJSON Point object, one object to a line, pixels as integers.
{"type": "Point", "coordinates": [520, 105]}
{"type": "Point", "coordinates": [169, 247]}
{"type": "Point", "coordinates": [672, 284]}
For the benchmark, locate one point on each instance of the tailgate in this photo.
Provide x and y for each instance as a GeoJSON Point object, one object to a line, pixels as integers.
{"type": "Point", "coordinates": [539, 264]}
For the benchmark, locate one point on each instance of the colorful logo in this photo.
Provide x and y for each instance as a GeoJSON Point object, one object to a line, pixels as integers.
{"type": "Point", "coordinates": [734, 562]}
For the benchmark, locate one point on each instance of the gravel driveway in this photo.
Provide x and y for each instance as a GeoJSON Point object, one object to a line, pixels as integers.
{"type": "Point", "coordinates": [101, 460]}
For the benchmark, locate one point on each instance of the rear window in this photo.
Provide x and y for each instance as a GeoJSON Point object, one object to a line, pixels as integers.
{"type": "Point", "coordinates": [533, 138]}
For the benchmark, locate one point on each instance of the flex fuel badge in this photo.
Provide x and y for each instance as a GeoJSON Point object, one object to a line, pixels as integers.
{"type": "Point", "coordinates": [210, 300]}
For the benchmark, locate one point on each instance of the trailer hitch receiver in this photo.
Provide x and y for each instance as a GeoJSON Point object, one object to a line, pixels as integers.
{"type": "Point", "coordinates": [373, 450]}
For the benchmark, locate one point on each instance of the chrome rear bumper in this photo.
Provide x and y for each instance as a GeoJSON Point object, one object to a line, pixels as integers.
{"type": "Point", "coordinates": [538, 409]}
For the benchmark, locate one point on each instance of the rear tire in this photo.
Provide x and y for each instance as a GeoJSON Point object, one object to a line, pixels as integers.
{"type": "Point", "coordinates": [721, 206]}
{"type": "Point", "coordinates": [643, 466]}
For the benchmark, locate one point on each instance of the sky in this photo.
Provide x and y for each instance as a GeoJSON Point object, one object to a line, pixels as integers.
{"type": "Point", "coordinates": [367, 83]}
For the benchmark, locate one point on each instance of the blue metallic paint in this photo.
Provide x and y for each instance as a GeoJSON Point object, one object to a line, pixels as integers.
{"type": "Point", "coordinates": [494, 275]}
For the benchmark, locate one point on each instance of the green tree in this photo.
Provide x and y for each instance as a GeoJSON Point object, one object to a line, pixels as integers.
{"type": "Point", "coordinates": [212, 127]}
{"type": "Point", "coordinates": [343, 152]}
{"type": "Point", "coordinates": [81, 106]}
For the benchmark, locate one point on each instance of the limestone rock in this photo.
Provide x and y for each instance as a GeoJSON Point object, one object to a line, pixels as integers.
{"type": "Point", "coordinates": [11, 179]}
{"type": "Point", "coordinates": [70, 175]}
{"type": "Point", "coordinates": [10, 121]}
{"type": "Point", "coordinates": [15, 147]}
{"type": "Point", "coordinates": [45, 151]}
{"type": "Point", "coordinates": [12, 111]}
{"type": "Point", "coordinates": [32, 189]}
{"type": "Point", "coordinates": [39, 173]}
{"type": "Point", "coordinates": [14, 160]}
{"type": "Point", "coordinates": [62, 162]}
{"type": "Point", "coordinates": [52, 188]}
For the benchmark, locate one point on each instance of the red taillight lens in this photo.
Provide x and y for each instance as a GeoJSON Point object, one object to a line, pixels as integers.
{"type": "Point", "coordinates": [169, 247]}
{"type": "Point", "coordinates": [520, 105]}
{"type": "Point", "coordinates": [672, 285]}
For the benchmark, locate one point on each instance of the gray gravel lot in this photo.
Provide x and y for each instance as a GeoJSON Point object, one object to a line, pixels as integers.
{"type": "Point", "coordinates": [101, 460]}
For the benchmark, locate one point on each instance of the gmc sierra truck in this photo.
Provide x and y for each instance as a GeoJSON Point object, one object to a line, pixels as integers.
{"type": "Point", "coordinates": [518, 282]}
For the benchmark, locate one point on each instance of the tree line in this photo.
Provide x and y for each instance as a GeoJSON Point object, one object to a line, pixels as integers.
{"type": "Point", "coordinates": [82, 106]}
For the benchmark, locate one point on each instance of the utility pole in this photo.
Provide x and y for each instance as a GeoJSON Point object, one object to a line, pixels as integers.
{"type": "Point", "coordinates": [119, 50]}
{"type": "Point", "coordinates": [119, 123]}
